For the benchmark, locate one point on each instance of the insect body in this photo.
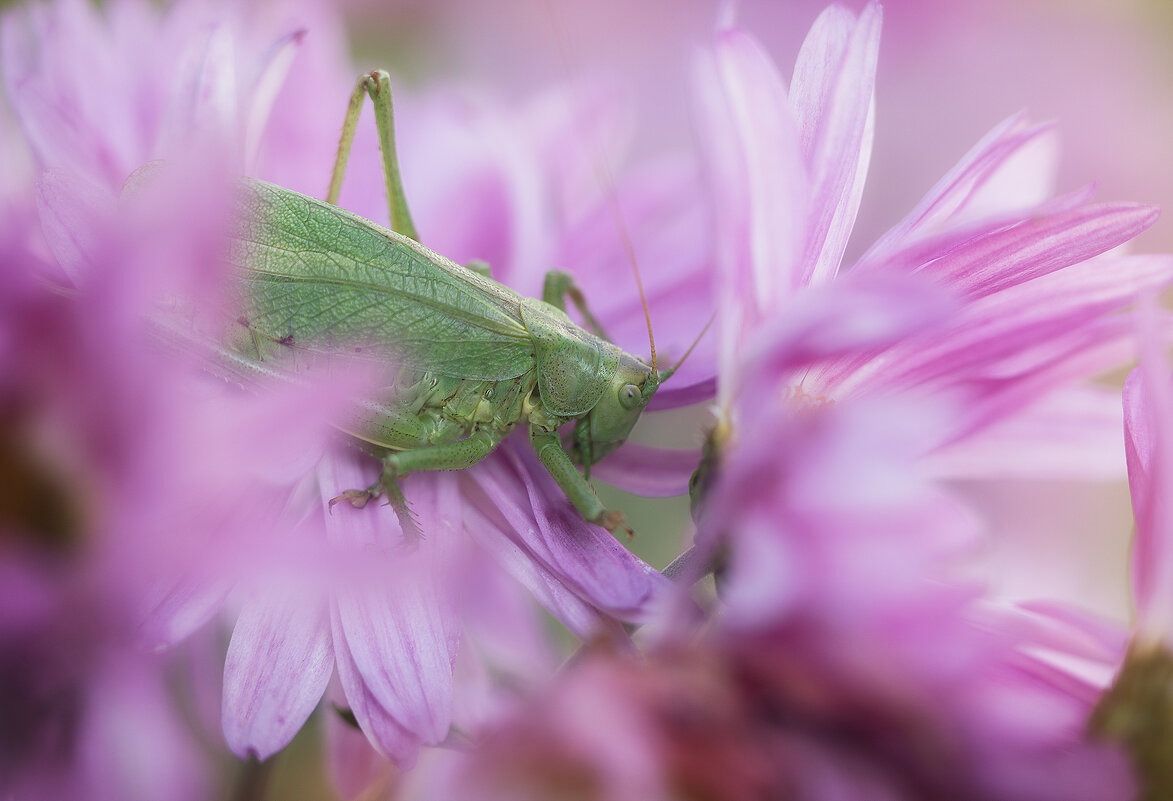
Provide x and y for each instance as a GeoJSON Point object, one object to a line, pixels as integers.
{"type": "Point", "coordinates": [473, 359]}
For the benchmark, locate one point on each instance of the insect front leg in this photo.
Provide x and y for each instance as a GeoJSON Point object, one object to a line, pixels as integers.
{"type": "Point", "coordinates": [557, 462]}
{"type": "Point", "coordinates": [558, 287]}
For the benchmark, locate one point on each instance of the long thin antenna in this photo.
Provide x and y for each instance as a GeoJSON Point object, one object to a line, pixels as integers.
{"type": "Point", "coordinates": [664, 376]}
{"type": "Point", "coordinates": [603, 174]}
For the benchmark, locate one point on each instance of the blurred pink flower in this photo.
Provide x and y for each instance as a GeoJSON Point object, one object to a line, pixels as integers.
{"type": "Point", "coordinates": [1148, 440]}
{"type": "Point", "coordinates": [845, 660]}
{"type": "Point", "coordinates": [1038, 294]}
{"type": "Point", "coordinates": [524, 202]}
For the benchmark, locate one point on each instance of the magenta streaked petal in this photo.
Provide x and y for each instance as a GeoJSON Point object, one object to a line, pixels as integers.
{"type": "Point", "coordinates": [950, 197]}
{"type": "Point", "coordinates": [586, 558]}
{"type": "Point", "coordinates": [842, 100]}
{"type": "Point", "coordinates": [842, 321]}
{"type": "Point", "coordinates": [701, 390]}
{"type": "Point", "coordinates": [648, 471]}
{"type": "Point", "coordinates": [997, 328]}
{"type": "Point", "coordinates": [1040, 246]}
{"type": "Point", "coordinates": [1069, 434]}
{"type": "Point", "coordinates": [913, 253]}
{"type": "Point", "coordinates": [385, 732]}
{"type": "Point", "coordinates": [278, 664]}
{"type": "Point", "coordinates": [396, 620]}
{"type": "Point", "coordinates": [494, 533]}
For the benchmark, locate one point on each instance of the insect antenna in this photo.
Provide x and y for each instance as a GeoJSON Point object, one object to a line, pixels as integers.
{"type": "Point", "coordinates": [666, 374]}
{"type": "Point", "coordinates": [607, 181]}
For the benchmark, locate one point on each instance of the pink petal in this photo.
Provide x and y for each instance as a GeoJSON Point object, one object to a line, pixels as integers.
{"type": "Point", "coordinates": [842, 321]}
{"type": "Point", "coordinates": [75, 219]}
{"type": "Point", "coordinates": [953, 193]}
{"type": "Point", "coordinates": [648, 471]}
{"type": "Point", "coordinates": [275, 66]}
{"type": "Point", "coordinates": [396, 622]}
{"type": "Point", "coordinates": [1040, 246]}
{"type": "Point", "coordinates": [1071, 435]}
{"type": "Point", "coordinates": [1005, 326]}
{"type": "Point", "coordinates": [278, 663]}
{"type": "Point", "coordinates": [834, 86]}
{"type": "Point", "coordinates": [1148, 398]}
{"type": "Point", "coordinates": [758, 183]}
{"type": "Point", "coordinates": [541, 521]}
{"type": "Point", "coordinates": [385, 732]}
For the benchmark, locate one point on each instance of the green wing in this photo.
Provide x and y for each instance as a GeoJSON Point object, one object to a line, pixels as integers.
{"type": "Point", "coordinates": [320, 278]}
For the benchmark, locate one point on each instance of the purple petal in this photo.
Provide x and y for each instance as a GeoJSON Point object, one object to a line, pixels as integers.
{"type": "Point", "coordinates": [1036, 315]}
{"type": "Point", "coordinates": [1071, 434]}
{"type": "Point", "coordinates": [701, 390]}
{"type": "Point", "coordinates": [842, 321]}
{"type": "Point", "coordinates": [834, 87]}
{"type": "Point", "coordinates": [278, 664]}
{"type": "Point", "coordinates": [541, 521]}
{"type": "Point", "coordinates": [953, 193]}
{"type": "Point", "coordinates": [1040, 246]}
{"type": "Point", "coordinates": [385, 732]}
{"type": "Point", "coordinates": [648, 471]}
{"type": "Point", "coordinates": [75, 219]}
{"type": "Point", "coordinates": [396, 622]}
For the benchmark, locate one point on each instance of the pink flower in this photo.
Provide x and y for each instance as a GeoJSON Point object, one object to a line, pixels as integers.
{"type": "Point", "coordinates": [845, 659]}
{"type": "Point", "coordinates": [1038, 293]}
{"type": "Point", "coordinates": [523, 204]}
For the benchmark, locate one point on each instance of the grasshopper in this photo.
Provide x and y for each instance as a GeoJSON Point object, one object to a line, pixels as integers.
{"type": "Point", "coordinates": [472, 358]}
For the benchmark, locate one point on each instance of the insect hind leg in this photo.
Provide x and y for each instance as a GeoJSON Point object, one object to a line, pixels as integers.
{"type": "Point", "coordinates": [558, 287]}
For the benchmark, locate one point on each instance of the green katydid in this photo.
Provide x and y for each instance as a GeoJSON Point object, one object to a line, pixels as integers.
{"type": "Point", "coordinates": [473, 358]}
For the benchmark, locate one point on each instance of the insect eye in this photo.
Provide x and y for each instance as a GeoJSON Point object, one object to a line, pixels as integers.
{"type": "Point", "coordinates": [628, 396]}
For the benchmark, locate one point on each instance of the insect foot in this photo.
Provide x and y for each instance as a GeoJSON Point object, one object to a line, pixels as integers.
{"type": "Point", "coordinates": [356, 498]}
{"type": "Point", "coordinates": [612, 520]}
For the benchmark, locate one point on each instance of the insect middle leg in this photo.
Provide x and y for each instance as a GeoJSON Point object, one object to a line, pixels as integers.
{"type": "Point", "coordinates": [558, 287]}
{"type": "Point", "coordinates": [548, 447]}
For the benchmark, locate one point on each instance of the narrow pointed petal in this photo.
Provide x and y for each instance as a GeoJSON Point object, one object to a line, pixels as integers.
{"type": "Point", "coordinates": [952, 194]}
{"type": "Point", "coordinates": [758, 183]}
{"type": "Point", "coordinates": [648, 471]}
{"type": "Point", "coordinates": [389, 737]}
{"type": "Point", "coordinates": [268, 84]}
{"type": "Point", "coordinates": [582, 557]}
{"type": "Point", "coordinates": [1069, 435]}
{"type": "Point", "coordinates": [1001, 327]}
{"type": "Point", "coordinates": [1040, 246]}
{"type": "Point", "coordinates": [278, 664]}
{"type": "Point", "coordinates": [396, 620]}
{"type": "Point", "coordinates": [835, 101]}
{"type": "Point", "coordinates": [763, 188]}
{"type": "Point", "coordinates": [1148, 398]}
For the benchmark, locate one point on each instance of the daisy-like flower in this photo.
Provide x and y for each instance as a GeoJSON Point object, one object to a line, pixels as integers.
{"type": "Point", "coordinates": [1038, 284]}
{"type": "Point", "coordinates": [864, 669]}
{"type": "Point", "coordinates": [388, 626]}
